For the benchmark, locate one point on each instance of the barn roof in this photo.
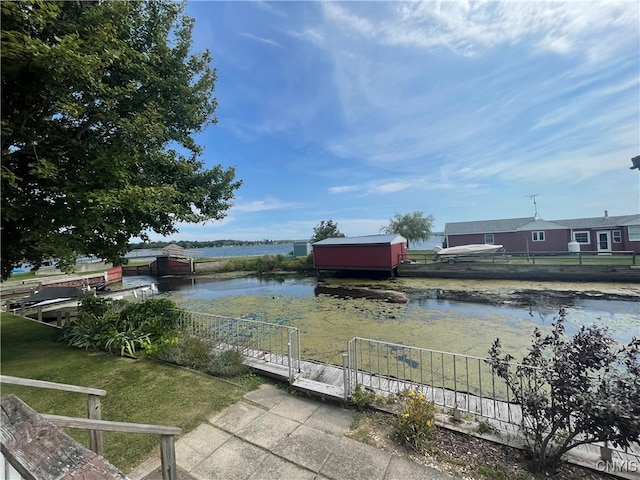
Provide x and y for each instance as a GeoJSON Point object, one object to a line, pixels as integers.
{"type": "Point", "coordinates": [364, 240]}
{"type": "Point", "coordinates": [532, 223]}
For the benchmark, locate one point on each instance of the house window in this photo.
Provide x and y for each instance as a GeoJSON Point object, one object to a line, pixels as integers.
{"type": "Point", "coordinates": [581, 237]}
{"type": "Point", "coordinates": [634, 233]}
{"type": "Point", "coordinates": [537, 236]}
{"type": "Point", "coordinates": [488, 238]}
{"type": "Point", "coordinates": [617, 236]}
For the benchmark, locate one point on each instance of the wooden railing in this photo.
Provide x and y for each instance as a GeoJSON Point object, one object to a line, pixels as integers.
{"type": "Point", "coordinates": [96, 425]}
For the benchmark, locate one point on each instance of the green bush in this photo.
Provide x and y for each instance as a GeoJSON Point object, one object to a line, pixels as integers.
{"type": "Point", "coordinates": [414, 422]}
{"type": "Point", "coordinates": [227, 363]}
{"type": "Point", "coordinates": [362, 398]}
{"type": "Point", "coordinates": [122, 327]}
{"type": "Point", "coordinates": [269, 263]}
{"type": "Point", "coordinates": [199, 354]}
{"type": "Point", "coordinates": [188, 351]}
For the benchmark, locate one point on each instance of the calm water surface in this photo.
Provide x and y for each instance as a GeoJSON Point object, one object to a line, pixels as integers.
{"type": "Point", "coordinates": [621, 317]}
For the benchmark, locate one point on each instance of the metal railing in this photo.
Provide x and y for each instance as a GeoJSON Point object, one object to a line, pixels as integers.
{"type": "Point", "coordinates": [462, 383]}
{"type": "Point", "coordinates": [271, 342]}
{"type": "Point", "coordinates": [455, 382]}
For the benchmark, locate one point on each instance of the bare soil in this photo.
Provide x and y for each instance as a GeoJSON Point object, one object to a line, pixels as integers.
{"type": "Point", "coordinates": [461, 455]}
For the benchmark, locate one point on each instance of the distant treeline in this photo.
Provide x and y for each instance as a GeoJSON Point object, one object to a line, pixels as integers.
{"type": "Point", "coordinates": [213, 243]}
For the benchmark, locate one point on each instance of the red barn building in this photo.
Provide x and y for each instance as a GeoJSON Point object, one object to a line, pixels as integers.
{"type": "Point", "coordinates": [372, 252]}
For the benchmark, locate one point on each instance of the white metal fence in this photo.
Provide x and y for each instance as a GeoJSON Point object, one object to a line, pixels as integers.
{"type": "Point", "coordinates": [276, 344]}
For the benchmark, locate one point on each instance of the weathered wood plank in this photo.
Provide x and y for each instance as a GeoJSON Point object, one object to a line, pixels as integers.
{"type": "Point", "coordinates": [51, 385]}
{"type": "Point", "coordinates": [320, 388]}
{"type": "Point", "coordinates": [108, 426]}
{"type": "Point", "coordinates": [39, 451]}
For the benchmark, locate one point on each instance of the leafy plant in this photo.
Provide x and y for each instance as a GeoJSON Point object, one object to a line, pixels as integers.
{"type": "Point", "coordinates": [188, 351]}
{"type": "Point", "coordinates": [122, 327]}
{"type": "Point", "coordinates": [227, 363]}
{"type": "Point", "coordinates": [574, 391]}
{"type": "Point", "coordinates": [414, 423]}
{"type": "Point", "coordinates": [362, 398]}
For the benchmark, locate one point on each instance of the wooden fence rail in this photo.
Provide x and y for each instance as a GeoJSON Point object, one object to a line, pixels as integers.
{"type": "Point", "coordinates": [96, 425]}
{"type": "Point", "coordinates": [94, 404]}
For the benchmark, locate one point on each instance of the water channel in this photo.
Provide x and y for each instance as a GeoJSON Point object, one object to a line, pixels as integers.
{"type": "Point", "coordinates": [327, 322]}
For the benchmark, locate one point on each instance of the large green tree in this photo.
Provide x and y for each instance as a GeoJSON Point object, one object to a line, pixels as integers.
{"type": "Point", "coordinates": [326, 229]}
{"type": "Point", "coordinates": [412, 226]}
{"type": "Point", "coordinates": [100, 105]}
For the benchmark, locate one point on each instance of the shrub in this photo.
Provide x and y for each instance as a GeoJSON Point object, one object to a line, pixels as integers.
{"type": "Point", "coordinates": [362, 398]}
{"type": "Point", "coordinates": [414, 422]}
{"type": "Point", "coordinates": [123, 327]}
{"type": "Point", "coordinates": [227, 363]}
{"type": "Point", "coordinates": [574, 391]}
{"type": "Point", "coordinates": [188, 351]}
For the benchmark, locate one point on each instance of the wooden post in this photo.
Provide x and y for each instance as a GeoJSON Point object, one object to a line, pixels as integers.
{"type": "Point", "coordinates": [94, 411]}
{"type": "Point", "coordinates": [39, 314]}
{"type": "Point", "coordinates": [59, 318]}
{"type": "Point", "coordinates": [168, 457]}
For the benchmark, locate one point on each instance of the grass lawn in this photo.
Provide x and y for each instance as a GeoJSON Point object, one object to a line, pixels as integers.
{"type": "Point", "coordinates": [138, 390]}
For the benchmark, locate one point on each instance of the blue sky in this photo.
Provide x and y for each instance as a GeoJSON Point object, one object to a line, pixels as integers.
{"type": "Point", "coordinates": [353, 111]}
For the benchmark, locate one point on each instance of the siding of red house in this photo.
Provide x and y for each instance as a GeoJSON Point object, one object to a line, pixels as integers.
{"type": "Point", "coordinates": [374, 252]}
{"type": "Point", "coordinates": [598, 234]}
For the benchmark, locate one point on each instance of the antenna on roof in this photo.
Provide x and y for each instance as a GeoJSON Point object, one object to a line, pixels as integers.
{"type": "Point", "coordinates": [535, 205]}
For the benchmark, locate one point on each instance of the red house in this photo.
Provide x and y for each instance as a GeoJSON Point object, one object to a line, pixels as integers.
{"type": "Point", "coordinates": [597, 234]}
{"type": "Point", "coordinates": [372, 252]}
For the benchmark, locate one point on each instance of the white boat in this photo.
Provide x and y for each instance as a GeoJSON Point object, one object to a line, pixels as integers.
{"type": "Point", "coordinates": [464, 251]}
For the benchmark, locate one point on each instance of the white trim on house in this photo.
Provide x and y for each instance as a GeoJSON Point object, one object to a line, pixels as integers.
{"type": "Point", "coordinates": [586, 232]}
{"type": "Point", "coordinates": [537, 236]}
{"type": "Point", "coordinates": [603, 241]}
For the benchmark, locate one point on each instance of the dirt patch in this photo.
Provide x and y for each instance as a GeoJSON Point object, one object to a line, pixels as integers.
{"type": "Point", "coordinates": [459, 454]}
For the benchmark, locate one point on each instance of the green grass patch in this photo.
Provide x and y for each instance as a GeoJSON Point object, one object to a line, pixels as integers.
{"type": "Point", "coordinates": [138, 390]}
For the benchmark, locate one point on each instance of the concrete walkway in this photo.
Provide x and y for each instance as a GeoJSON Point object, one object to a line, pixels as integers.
{"type": "Point", "coordinates": [273, 435]}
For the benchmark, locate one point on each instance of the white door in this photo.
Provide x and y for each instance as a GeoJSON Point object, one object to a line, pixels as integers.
{"type": "Point", "coordinates": [604, 242]}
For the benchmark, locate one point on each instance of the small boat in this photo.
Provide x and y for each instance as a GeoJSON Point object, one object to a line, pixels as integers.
{"type": "Point", "coordinates": [473, 249]}
{"type": "Point", "coordinates": [47, 296]}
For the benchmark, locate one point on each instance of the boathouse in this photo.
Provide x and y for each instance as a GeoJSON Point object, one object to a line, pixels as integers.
{"type": "Point", "coordinates": [372, 252]}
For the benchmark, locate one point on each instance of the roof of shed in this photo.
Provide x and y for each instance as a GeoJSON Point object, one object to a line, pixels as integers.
{"type": "Point", "coordinates": [532, 223]}
{"type": "Point", "coordinates": [364, 240]}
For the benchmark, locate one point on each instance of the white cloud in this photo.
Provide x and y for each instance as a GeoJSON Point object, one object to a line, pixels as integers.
{"type": "Point", "coordinates": [344, 189]}
{"type": "Point", "coordinates": [262, 205]}
{"type": "Point", "coordinates": [468, 28]}
{"type": "Point", "coordinates": [268, 41]}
